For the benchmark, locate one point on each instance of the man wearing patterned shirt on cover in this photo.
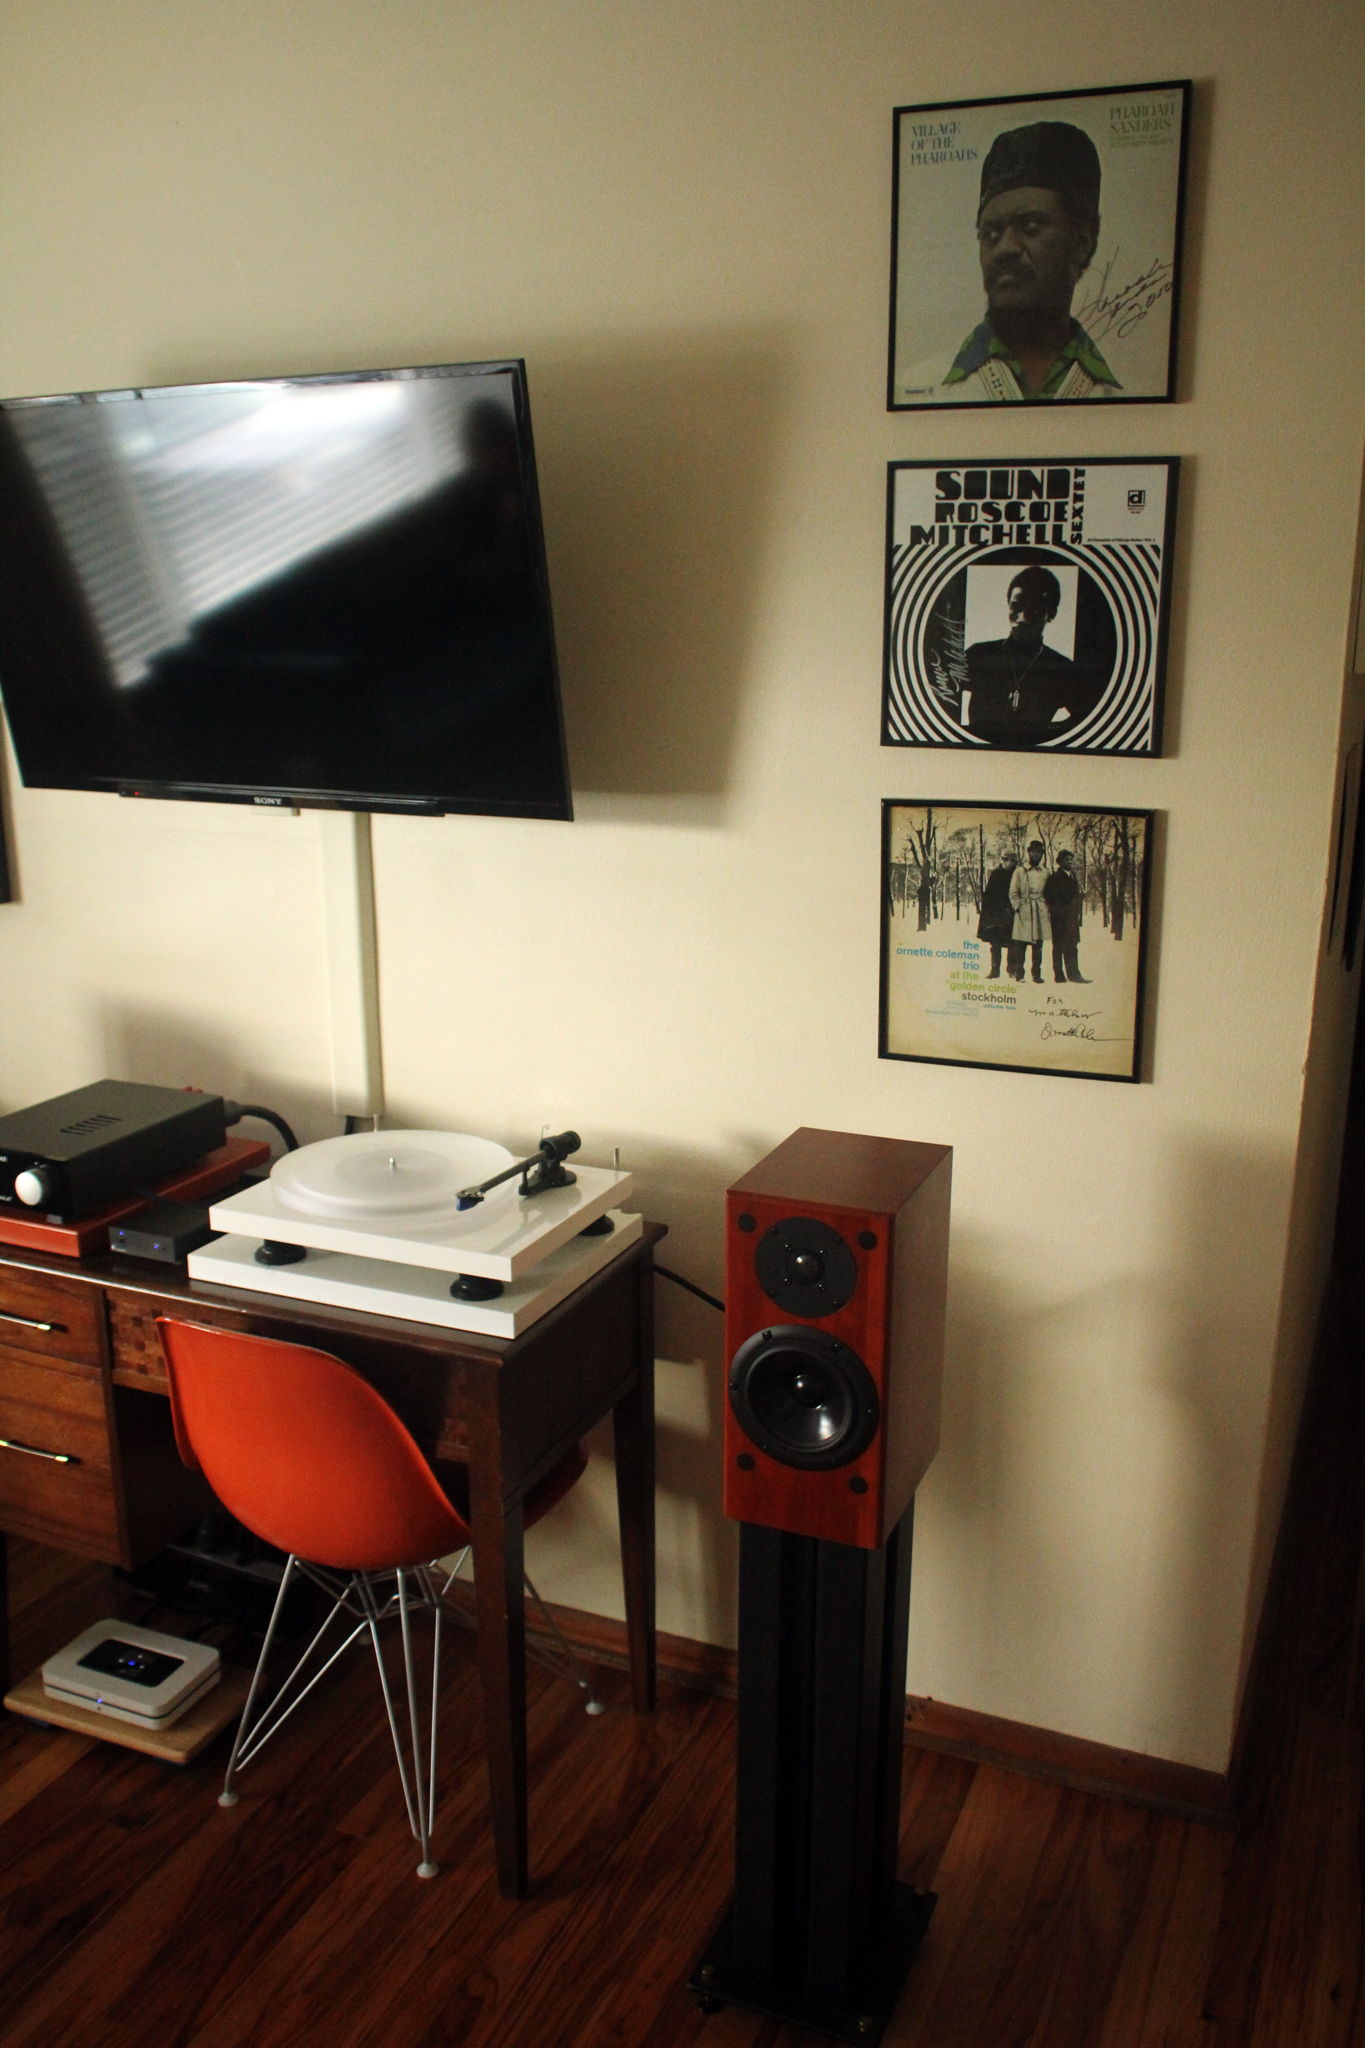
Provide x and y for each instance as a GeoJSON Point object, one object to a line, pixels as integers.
{"type": "Point", "coordinates": [1037, 224]}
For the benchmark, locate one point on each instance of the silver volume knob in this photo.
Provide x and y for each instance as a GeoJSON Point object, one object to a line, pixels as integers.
{"type": "Point", "coordinates": [32, 1186]}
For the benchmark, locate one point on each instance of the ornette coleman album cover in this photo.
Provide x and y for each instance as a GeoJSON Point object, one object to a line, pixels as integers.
{"type": "Point", "coordinates": [1014, 935]}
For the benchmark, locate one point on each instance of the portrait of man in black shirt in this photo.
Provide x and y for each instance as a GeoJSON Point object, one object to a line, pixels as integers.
{"type": "Point", "coordinates": [1020, 690]}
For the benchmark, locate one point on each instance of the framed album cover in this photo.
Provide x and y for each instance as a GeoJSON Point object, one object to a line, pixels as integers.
{"type": "Point", "coordinates": [1035, 248]}
{"type": "Point", "coordinates": [1027, 603]}
{"type": "Point", "coordinates": [1014, 936]}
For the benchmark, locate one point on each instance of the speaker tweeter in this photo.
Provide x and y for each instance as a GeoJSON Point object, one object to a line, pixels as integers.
{"type": "Point", "coordinates": [806, 1267]}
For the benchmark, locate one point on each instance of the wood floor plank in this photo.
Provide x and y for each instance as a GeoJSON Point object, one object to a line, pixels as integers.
{"type": "Point", "coordinates": [685, 1846]}
{"type": "Point", "coordinates": [177, 1901]}
{"type": "Point", "coordinates": [1157, 1998]}
{"type": "Point", "coordinates": [1083, 1897]}
{"type": "Point", "coordinates": [28, 1773]}
{"type": "Point", "coordinates": [985, 1892]}
{"type": "Point", "coordinates": [323, 1957]}
{"type": "Point", "coordinates": [1295, 1974]}
{"type": "Point", "coordinates": [934, 1792]}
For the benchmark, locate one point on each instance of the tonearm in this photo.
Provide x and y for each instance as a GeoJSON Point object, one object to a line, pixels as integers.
{"type": "Point", "coordinates": [544, 1169]}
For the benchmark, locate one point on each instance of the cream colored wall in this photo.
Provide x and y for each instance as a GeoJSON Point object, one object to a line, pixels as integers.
{"type": "Point", "coordinates": [679, 216]}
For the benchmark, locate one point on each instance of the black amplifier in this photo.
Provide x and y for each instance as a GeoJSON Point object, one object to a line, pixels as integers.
{"type": "Point", "coordinates": [70, 1155]}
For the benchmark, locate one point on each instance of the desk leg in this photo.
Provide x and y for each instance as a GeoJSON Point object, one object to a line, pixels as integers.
{"type": "Point", "coordinates": [499, 1599]}
{"type": "Point", "coordinates": [633, 1445]}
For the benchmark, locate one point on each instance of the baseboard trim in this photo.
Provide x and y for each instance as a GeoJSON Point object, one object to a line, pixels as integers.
{"type": "Point", "coordinates": [600, 1640]}
{"type": "Point", "coordinates": [1085, 1766]}
{"type": "Point", "coordinates": [1071, 1760]}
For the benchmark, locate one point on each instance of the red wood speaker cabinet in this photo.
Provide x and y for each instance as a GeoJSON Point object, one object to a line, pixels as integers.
{"type": "Point", "coordinates": [836, 1282]}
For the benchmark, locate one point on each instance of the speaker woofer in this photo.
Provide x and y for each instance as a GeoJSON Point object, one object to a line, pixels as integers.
{"type": "Point", "coordinates": [804, 1398]}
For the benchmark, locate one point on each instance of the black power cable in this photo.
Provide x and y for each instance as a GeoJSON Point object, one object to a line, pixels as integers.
{"type": "Point", "coordinates": [235, 1111]}
{"type": "Point", "coordinates": [666, 1273]}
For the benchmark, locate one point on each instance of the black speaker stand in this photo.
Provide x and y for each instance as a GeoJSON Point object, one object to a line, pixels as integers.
{"type": "Point", "coordinates": [819, 1932]}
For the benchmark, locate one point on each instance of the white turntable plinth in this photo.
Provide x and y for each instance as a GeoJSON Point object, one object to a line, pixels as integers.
{"type": "Point", "coordinates": [415, 1295]}
{"type": "Point", "coordinates": [377, 1217]}
{"type": "Point", "coordinates": [343, 1195]}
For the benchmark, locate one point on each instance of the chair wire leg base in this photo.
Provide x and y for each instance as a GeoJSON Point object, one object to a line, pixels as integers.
{"type": "Point", "coordinates": [419, 1796]}
{"type": "Point", "coordinates": [556, 1656]}
{"type": "Point", "coordinates": [561, 1659]}
{"type": "Point", "coordinates": [357, 1595]}
{"type": "Point", "coordinates": [228, 1796]}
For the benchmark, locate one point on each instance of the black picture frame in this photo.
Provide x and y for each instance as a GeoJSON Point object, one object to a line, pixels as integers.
{"type": "Point", "coordinates": [961, 987]}
{"type": "Point", "coordinates": [983, 286]}
{"type": "Point", "coordinates": [1084, 543]}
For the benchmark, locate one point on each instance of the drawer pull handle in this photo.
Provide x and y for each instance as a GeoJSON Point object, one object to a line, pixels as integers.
{"type": "Point", "coordinates": [30, 1323]}
{"type": "Point", "coordinates": [7, 1443]}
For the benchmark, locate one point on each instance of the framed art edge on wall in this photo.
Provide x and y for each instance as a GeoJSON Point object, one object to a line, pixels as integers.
{"type": "Point", "coordinates": [1015, 936]}
{"type": "Point", "coordinates": [1069, 295]}
{"type": "Point", "coordinates": [1086, 543]}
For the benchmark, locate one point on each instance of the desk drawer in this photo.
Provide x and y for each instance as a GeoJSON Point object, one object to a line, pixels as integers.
{"type": "Point", "coordinates": [54, 1318]}
{"type": "Point", "coordinates": [56, 1461]}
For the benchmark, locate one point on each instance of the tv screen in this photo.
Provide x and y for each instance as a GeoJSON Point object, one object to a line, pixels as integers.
{"type": "Point", "coordinates": [320, 590]}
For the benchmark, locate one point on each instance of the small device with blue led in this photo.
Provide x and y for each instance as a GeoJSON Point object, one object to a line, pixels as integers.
{"type": "Point", "coordinates": [132, 1674]}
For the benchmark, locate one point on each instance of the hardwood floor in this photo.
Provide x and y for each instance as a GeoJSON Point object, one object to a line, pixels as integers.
{"type": "Point", "coordinates": [136, 1913]}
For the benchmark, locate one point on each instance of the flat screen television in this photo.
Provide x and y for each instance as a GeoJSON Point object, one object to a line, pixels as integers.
{"type": "Point", "coordinates": [324, 591]}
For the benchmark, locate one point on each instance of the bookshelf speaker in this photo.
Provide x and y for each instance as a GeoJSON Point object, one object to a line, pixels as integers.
{"type": "Point", "coordinates": [836, 1280]}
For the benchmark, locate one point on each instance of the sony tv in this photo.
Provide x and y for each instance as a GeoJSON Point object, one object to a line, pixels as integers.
{"type": "Point", "coordinates": [320, 591]}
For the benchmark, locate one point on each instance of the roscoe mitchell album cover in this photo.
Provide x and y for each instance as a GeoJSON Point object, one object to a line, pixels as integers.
{"type": "Point", "coordinates": [1027, 604]}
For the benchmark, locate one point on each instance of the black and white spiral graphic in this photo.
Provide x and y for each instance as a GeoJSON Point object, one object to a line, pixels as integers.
{"type": "Point", "coordinates": [925, 658]}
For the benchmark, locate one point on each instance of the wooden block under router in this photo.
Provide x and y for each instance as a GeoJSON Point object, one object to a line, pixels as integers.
{"type": "Point", "coordinates": [183, 1740]}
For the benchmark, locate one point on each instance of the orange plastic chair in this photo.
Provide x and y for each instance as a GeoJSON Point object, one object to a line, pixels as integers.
{"type": "Point", "coordinates": [309, 1457]}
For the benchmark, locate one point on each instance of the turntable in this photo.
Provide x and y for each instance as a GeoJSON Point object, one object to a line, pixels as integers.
{"type": "Point", "coordinates": [430, 1226]}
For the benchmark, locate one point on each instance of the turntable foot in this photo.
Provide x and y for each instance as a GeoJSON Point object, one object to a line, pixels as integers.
{"type": "Point", "coordinates": [603, 1227]}
{"type": "Point", "coordinates": [273, 1253]}
{"type": "Point", "coordinates": [473, 1287]}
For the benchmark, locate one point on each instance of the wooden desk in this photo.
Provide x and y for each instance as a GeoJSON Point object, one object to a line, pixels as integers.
{"type": "Point", "coordinates": [81, 1374]}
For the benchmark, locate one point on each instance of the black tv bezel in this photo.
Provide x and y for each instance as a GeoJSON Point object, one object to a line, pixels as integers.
{"type": "Point", "coordinates": [289, 797]}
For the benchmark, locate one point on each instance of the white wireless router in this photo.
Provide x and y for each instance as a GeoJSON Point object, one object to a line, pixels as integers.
{"type": "Point", "coordinates": [133, 1674]}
